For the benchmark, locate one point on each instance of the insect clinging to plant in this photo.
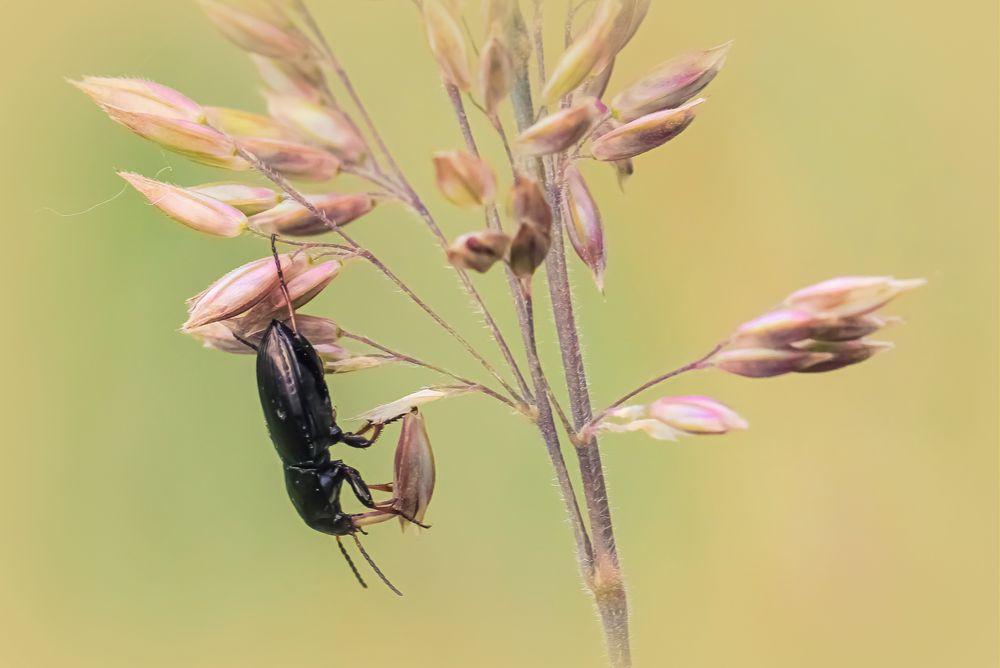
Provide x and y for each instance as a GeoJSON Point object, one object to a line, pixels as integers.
{"type": "Point", "coordinates": [303, 426]}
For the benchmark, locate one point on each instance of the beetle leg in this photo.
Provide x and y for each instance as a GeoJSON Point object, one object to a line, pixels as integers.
{"type": "Point", "coordinates": [385, 487]}
{"type": "Point", "coordinates": [358, 438]}
{"type": "Point", "coordinates": [358, 485]}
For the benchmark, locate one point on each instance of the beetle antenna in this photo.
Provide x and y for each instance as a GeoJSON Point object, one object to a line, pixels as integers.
{"type": "Point", "coordinates": [375, 568]}
{"type": "Point", "coordinates": [281, 280]}
{"type": "Point", "coordinates": [239, 338]}
{"type": "Point", "coordinates": [350, 562]}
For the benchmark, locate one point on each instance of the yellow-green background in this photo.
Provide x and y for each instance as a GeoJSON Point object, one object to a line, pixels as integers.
{"type": "Point", "coordinates": [143, 516]}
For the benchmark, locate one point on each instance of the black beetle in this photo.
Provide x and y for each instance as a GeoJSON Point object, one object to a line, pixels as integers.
{"type": "Point", "coordinates": [303, 426]}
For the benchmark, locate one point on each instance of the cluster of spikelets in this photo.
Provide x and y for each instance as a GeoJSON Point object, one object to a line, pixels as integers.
{"type": "Point", "coordinates": [819, 328]}
{"type": "Point", "coordinates": [306, 136]}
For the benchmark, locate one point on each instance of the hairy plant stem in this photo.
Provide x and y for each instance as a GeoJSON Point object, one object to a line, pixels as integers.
{"type": "Point", "coordinates": [607, 582]}
{"type": "Point", "coordinates": [543, 394]}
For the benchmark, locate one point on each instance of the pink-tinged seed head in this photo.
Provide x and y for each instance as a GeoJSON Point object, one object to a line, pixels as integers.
{"type": "Point", "coordinates": [850, 328]}
{"type": "Point", "coordinates": [195, 210]}
{"type": "Point", "coordinates": [284, 78]}
{"type": "Point", "coordinates": [292, 159]}
{"type": "Point", "coordinates": [413, 470]}
{"type": "Point", "coordinates": [696, 415]}
{"type": "Point", "coordinates": [447, 42]}
{"type": "Point", "coordinates": [843, 353]}
{"type": "Point", "coordinates": [850, 295]}
{"type": "Point", "coordinates": [585, 228]}
{"type": "Point", "coordinates": [671, 83]}
{"type": "Point", "coordinates": [292, 219]}
{"type": "Point", "coordinates": [319, 124]}
{"type": "Point", "coordinates": [590, 52]}
{"type": "Point", "coordinates": [235, 293]}
{"type": "Point", "coordinates": [259, 27]}
{"type": "Point", "coordinates": [560, 130]}
{"type": "Point", "coordinates": [767, 362]}
{"type": "Point", "coordinates": [775, 329]}
{"type": "Point", "coordinates": [248, 199]}
{"type": "Point", "coordinates": [141, 96]}
{"type": "Point", "coordinates": [494, 72]}
{"type": "Point", "coordinates": [464, 179]}
{"type": "Point", "coordinates": [528, 203]}
{"type": "Point", "coordinates": [478, 250]}
{"type": "Point", "coordinates": [240, 123]}
{"type": "Point", "coordinates": [645, 133]}
{"type": "Point", "coordinates": [192, 140]}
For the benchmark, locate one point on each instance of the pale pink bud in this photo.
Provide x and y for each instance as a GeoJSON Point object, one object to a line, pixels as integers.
{"type": "Point", "coordinates": [671, 84]}
{"type": "Point", "coordinates": [767, 362]}
{"type": "Point", "coordinates": [303, 282]}
{"type": "Point", "coordinates": [843, 353]}
{"type": "Point", "coordinates": [447, 42]}
{"type": "Point", "coordinates": [494, 73]}
{"type": "Point", "coordinates": [645, 133]}
{"type": "Point", "coordinates": [286, 79]}
{"type": "Point", "coordinates": [354, 362]}
{"type": "Point", "coordinates": [235, 293]}
{"type": "Point", "coordinates": [464, 179]}
{"type": "Point", "coordinates": [197, 211]}
{"type": "Point", "coordinates": [192, 140]}
{"type": "Point", "coordinates": [292, 219]}
{"type": "Point", "coordinates": [850, 295]}
{"type": "Point", "coordinates": [141, 96]}
{"type": "Point", "coordinates": [696, 415]}
{"type": "Point", "coordinates": [240, 123]}
{"type": "Point", "coordinates": [585, 229]}
{"type": "Point", "coordinates": [246, 198]}
{"type": "Point", "coordinates": [320, 332]}
{"type": "Point", "coordinates": [292, 159]}
{"type": "Point", "coordinates": [258, 27]}
{"type": "Point", "coordinates": [848, 329]}
{"type": "Point", "coordinates": [560, 130]}
{"type": "Point", "coordinates": [776, 329]}
{"type": "Point", "coordinates": [319, 124]}
{"type": "Point", "coordinates": [403, 405]}
{"type": "Point", "coordinates": [478, 250]}
{"type": "Point", "coordinates": [413, 470]}
{"type": "Point", "coordinates": [589, 52]}
{"type": "Point", "coordinates": [217, 336]}
{"type": "Point", "coordinates": [528, 203]}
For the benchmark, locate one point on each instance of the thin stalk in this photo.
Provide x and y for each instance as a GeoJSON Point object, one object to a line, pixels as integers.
{"type": "Point", "coordinates": [608, 584]}
{"type": "Point", "coordinates": [699, 363]}
{"type": "Point", "coordinates": [409, 359]}
{"type": "Point", "coordinates": [492, 215]}
{"type": "Point", "coordinates": [283, 183]}
{"type": "Point", "coordinates": [544, 399]}
{"type": "Point", "coordinates": [547, 426]}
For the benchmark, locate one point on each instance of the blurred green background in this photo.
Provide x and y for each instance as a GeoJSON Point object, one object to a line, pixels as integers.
{"type": "Point", "coordinates": [142, 509]}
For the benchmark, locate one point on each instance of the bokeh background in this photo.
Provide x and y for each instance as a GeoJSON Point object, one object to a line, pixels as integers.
{"type": "Point", "coordinates": [142, 511]}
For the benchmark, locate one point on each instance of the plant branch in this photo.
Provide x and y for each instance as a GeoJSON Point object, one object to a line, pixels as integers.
{"type": "Point", "coordinates": [283, 183]}
{"type": "Point", "coordinates": [409, 359]}
{"type": "Point", "coordinates": [699, 363]}
{"type": "Point", "coordinates": [608, 583]}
